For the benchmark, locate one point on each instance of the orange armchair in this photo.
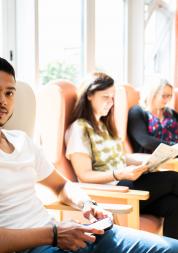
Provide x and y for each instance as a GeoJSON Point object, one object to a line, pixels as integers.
{"type": "Point", "coordinates": [54, 107]}
{"type": "Point", "coordinates": [147, 222]}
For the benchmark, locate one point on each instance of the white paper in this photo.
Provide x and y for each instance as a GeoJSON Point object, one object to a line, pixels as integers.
{"type": "Point", "coordinates": [161, 154]}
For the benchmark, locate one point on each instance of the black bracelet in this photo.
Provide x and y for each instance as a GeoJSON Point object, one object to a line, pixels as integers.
{"type": "Point", "coordinates": [94, 203]}
{"type": "Point", "coordinates": [114, 175]}
{"type": "Point", "coordinates": [55, 236]}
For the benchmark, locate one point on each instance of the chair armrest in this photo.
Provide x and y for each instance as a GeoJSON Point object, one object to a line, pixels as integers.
{"type": "Point", "coordinates": [114, 191]}
{"type": "Point", "coordinates": [131, 194]}
{"type": "Point", "coordinates": [170, 165]}
{"type": "Point", "coordinates": [114, 208]}
{"type": "Point", "coordinates": [130, 199]}
{"type": "Point", "coordinates": [104, 187]}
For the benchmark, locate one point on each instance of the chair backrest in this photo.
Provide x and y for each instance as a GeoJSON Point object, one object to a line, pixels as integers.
{"type": "Point", "coordinates": [176, 99]}
{"type": "Point", "coordinates": [127, 96]}
{"type": "Point", "coordinates": [55, 102]}
{"type": "Point", "coordinates": [133, 95]}
{"type": "Point", "coordinates": [121, 112]}
{"type": "Point", "coordinates": [24, 114]}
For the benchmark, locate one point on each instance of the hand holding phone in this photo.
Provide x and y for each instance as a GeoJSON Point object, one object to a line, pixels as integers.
{"type": "Point", "coordinates": [104, 224]}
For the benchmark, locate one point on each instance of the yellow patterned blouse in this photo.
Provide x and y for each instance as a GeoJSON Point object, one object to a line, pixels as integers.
{"type": "Point", "coordinates": [105, 151]}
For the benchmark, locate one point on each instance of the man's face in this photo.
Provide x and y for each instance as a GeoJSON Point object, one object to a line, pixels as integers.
{"type": "Point", "coordinates": [7, 96]}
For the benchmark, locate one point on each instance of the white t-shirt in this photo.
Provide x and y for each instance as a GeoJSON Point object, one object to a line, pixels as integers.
{"type": "Point", "coordinates": [75, 142]}
{"type": "Point", "coordinates": [19, 171]}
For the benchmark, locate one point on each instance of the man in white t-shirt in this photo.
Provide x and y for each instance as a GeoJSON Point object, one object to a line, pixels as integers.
{"type": "Point", "coordinates": [25, 224]}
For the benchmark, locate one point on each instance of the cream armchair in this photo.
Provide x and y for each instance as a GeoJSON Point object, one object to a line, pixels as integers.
{"type": "Point", "coordinates": [24, 114]}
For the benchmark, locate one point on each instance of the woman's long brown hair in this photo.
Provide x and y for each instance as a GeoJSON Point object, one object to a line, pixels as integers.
{"type": "Point", "coordinates": [83, 110]}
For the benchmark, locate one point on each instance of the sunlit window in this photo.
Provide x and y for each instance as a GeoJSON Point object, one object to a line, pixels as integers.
{"type": "Point", "coordinates": [60, 40]}
{"type": "Point", "coordinates": [159, 38]}
{"type": "Point", "coordinates": [109, 37]}
{"type": "Point", "coordinates": [1, 32]}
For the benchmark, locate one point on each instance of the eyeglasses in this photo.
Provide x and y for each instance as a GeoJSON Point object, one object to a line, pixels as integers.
{"type": "Point", "coordinates": [168, 96]}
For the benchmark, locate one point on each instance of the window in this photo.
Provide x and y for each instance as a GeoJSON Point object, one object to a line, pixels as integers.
{"type": "Point", "coordinates": [66, 39]}
{"type": "Point", "coordinates": [1, 32]}
{"type": "Point", "coordinates": [109, 37]}
{"type": "Point", "coordinates": [60, 39]}
{"type": "Point", "coordinates": [159, 38]}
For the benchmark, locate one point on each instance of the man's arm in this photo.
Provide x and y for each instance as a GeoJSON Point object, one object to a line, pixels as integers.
{"type": "Point", "coordinates": [21, 239]}
{"type": "Point", "coordinates": [68, 192]}
{"type": "Point", "coordinates": [71, 194]}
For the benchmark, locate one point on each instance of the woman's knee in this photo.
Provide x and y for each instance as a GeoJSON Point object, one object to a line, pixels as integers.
{"type": "Point", "coordinates": [172, 206]}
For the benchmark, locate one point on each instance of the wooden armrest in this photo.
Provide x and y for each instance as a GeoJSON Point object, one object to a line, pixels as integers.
{"type": "Point", "coordinates": [104, 187]}
{"type": "Point", "coordinates": [172, 164]}
{"type": "Point", "coordinates": [131, 194]}
{"type": "Point", "coordinates": [117, 208]}
{"type": "Point", "coordinates": [113, 191]}
{"type": "Point", "coordinates": [114, 208]}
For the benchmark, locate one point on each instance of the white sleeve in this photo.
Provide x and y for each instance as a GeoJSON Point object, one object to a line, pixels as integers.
{"type": "Point", "coordinates": [77, 141]}
{"type": "Point", "coordinates": [42, 166]}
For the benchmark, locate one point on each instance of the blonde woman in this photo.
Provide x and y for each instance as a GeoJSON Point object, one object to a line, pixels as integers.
{"type": "Point", "coordinates": [155, 123]}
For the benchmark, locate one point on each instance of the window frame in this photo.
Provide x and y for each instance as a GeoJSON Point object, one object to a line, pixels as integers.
{"type": "Point", "coordinates": [22, 47]}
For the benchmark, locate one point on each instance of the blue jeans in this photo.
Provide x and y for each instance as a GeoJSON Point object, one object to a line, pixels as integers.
{"type": "Point", "coordinates": [122, 240]}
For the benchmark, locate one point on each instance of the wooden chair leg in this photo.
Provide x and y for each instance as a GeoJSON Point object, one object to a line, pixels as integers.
{"type": "Point", "coordinates": [116, 219]}
{"type": "Point", "coordinates": [133, 217]}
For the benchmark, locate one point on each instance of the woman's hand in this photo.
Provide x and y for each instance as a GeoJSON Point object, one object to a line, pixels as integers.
{"type": "Point", "coordinates": [131, 172]}
{"type": "Point", "coordinates": [73, 236]}
{"type": "Point", "coordinates": [136, 158]}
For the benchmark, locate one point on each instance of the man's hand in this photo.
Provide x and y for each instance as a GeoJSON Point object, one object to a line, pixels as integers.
{"type": "Point", "coordinates": [94, 212]}
{"type": "Point", "coordinates": [73, 236]}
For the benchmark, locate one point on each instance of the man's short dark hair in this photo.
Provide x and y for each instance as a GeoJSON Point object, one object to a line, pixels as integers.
{"type": "Point", "coordinates": [6, 67]}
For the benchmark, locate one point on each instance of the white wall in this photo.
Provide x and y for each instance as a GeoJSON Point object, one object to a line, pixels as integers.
{"type": "Point", "coordinates": [135, 42]}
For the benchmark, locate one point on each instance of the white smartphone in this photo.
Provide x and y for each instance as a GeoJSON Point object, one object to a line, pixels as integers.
{"type": "Point", "coordinates": [104, 224]}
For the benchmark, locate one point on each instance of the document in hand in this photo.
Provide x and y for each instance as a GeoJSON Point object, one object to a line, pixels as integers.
{"type": "Point", "coordinates": [161, 154]}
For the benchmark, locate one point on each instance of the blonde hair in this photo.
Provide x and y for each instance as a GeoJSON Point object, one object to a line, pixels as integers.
{"type": "Point", "coordinates": [151, 90]}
